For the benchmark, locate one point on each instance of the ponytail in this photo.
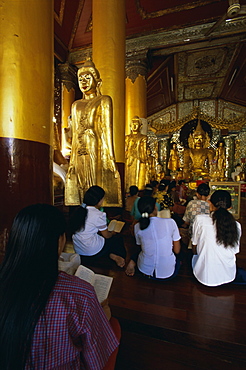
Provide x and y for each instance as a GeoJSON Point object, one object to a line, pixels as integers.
{"type": "Point", "coordinates": [77, 219]}
{"type": "Point", "coordinates": [146, 206]}
{"type": "Point", "coordinates": [91, 198]}
{"type": "Point", "coordinates": [226, 227]}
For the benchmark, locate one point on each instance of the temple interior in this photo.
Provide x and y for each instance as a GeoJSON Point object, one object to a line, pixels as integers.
{"type": "Point", "coordinates": [172, 75]}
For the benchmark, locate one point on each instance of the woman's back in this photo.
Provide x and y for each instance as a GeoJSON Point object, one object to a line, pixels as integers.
{"type": "Point", "coordinates": [214, 264]}
{"type": "Point", "coordinates": [129, 202]}
{"type": "Point", "coordinates": [61, 333]}
{"type": "Point", "coordinates": [157, 246]}
{"type": "Point", "coordinates": [87, 241]}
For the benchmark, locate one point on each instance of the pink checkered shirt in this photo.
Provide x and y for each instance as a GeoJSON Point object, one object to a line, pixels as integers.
{"type": "Point", "coordinates": [73, 333]}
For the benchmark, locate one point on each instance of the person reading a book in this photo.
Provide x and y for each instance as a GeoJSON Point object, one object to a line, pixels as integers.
{"type": "Point", "coordinates": [91, 237]}
{"type": "Point", "coordinates": [159, 240]}
{"type": "Point", "coordinates": [48, 319]}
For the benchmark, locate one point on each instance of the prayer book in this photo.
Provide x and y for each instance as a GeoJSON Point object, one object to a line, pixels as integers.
{"type": "Point", "coordinates": [101, 283]}
{"type": "Point", "coordinates": [116, 226]}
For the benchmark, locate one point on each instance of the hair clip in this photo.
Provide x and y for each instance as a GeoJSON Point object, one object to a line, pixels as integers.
{"type": "Point", "coordinates": [145, 215]}
{"type": "Point", "coordinates": [83, 205]}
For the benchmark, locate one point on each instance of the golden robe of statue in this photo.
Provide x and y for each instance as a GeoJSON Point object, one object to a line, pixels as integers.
{"type": "Point", "coordinates": [152, 164]}
{"type": "Point", "coordinates": [220, 159]}
{"type": "Point", "coordinates": [136, 156]}
{"type": "Point", "coordinates": [198, 158]}
{"type": "Point", "coordinates": [173, 162]}
{"type": "Point", "coordinates": [92, 159]}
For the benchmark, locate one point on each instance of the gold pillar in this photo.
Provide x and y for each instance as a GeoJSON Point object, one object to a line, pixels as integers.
{"type": "Point", "coordinates": [69, 82]}
{"type": "Point", "coordinates": [108, 41]}
{"type": "Point", "coordinates": [136, 89]}
{"type": "Point", "coordinates": [26, 106]}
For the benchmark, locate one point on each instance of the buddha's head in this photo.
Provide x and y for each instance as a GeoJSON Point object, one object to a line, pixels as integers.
{"type": "Point", "coordinates": [88, 78]}
{"type": "Point", "coordinates": [136, 124]}
{"type": "Point", "coordinates": [199, 139]}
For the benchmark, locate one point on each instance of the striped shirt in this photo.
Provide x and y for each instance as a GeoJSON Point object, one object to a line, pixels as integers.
{"type": "Point", "coordinates": [73, 332]}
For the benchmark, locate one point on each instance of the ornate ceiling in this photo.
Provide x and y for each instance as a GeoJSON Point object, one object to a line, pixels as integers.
{"type": "Point", "coordinates": [194, 53]}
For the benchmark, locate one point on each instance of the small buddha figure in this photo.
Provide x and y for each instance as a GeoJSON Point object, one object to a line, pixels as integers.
{"type": "Point", "coordinates": [238, 174]}
{"type": "Point", "coordinates": [136, 156]}
{"type": "Point", "coordinates": [151, 166]}
{"type": "Point", "coordinates": [198, 157]}
{"type": "Point", "coordinates": [92, 159]}
{"type": "Point", "coordinates": [220, 158]}
{"type": "Point", "coordinates": [173, 162]}
{"type": "Point", "coordinates": [160, 175]}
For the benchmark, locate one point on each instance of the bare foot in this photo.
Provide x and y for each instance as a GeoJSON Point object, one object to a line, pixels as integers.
{"type": "Point", "coordinates": [119, 260]}
{"type": "Point", "coordinates": [130, 269]}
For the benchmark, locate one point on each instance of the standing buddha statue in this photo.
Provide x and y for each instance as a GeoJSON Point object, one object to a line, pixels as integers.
{"type": "Point", "coordinates": [92, 159]}
{"type": "Point", "coordinates": [136, 156]}
{"type": "Point", "coordinates": [173, 162]}
{"type": "Point", "coordinates": [220, 159]}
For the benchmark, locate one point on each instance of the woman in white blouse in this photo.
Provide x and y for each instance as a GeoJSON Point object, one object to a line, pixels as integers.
{"type": "Point", "coordinates": [159, 240]}
{"type": "Point", "coordinates": [91, 237]}
{"type": "Point", "coordinates": [215, 242]}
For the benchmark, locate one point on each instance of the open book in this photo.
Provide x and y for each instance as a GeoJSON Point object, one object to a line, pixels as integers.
{"type": "Point", "coordinates": [101, 283]}
{"type": "Point", "coordinates": [116, 226]}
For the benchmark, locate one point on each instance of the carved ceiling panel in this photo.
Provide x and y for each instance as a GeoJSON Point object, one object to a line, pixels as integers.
{"type": "Point", "coordinates": [198, 91]}
{"type": "Point", "coordinates": [204, 62]}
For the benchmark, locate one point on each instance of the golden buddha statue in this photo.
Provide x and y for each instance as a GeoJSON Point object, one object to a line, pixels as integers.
{"type": "Point", "coordinates": [136, 156]}
{"type": "Point", "coordinates": [173, 162]}
{"type": "Point", "coordinates": [151, 165]}
{"type": "Point", "coordinates": [220, 159]}
{"type": "Point", "coordinates": [92, 159]}
{"type": "Point", "coordinates": [198, 157]}
{"type": "Point", "coordinates": [238, 174]}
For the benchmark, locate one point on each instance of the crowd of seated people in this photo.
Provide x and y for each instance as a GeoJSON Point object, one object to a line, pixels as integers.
{"type": "Point", "coordinates": [34, 297]}
{"type": "Point", "coordinates": [185, 212]}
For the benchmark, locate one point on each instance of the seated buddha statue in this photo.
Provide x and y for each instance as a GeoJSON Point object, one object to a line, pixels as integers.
{"type": "Point", "coordinates": [198, 157]}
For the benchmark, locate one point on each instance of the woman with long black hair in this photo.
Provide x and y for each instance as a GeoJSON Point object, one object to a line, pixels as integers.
{"type": "Point", "coordinates": [215, 242]}
{"type": "Point", "coordinates": [48, 319]}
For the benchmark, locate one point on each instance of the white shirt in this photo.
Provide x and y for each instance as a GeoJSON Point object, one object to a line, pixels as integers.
{"type": "Point", "coordinates": [214, 264]}
{"type": "Point", "coordinates": [87, 242]}
{"type": "Point", "coordinates": [157, 247]}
